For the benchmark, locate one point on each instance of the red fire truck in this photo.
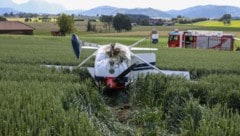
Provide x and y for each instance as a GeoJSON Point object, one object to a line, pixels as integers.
{"type": "Point", "coordinates": [201, 39]}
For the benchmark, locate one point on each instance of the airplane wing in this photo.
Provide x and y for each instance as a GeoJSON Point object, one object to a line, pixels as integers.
{"type": "Point", "coordinates": [147, 66]}
{"type": "Point", "coordinates": [132, 47]}
{"type": "Point", "coordinates": [89, 47]}
{"type": "Point", "coordinates": [59, 67]}
{"type": "Point", "coordinates": [143, 49]}
{"type": "Point", "coordinates": [135, 74]}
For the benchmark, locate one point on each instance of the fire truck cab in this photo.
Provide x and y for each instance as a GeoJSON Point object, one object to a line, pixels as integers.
{"type": "Point", "coordinates": [201, 39]}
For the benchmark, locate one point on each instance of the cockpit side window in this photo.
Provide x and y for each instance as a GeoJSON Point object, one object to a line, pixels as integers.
{"type": "Point", "coordinates": [173, 37]}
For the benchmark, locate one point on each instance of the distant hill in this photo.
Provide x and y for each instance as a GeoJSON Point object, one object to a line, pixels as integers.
{"type": "Point", "coordinates": [33, 6]}
{"type": "Point", "coordinates": [76, 12]}
{"type": "Point", "coordinates": [38, 6]}
{"type": "Point", "coordinates": [102, 10]}
{"type": "Point", "coordinates": [209, 11]}
{"type": "Point", "coordinates": [147, 11]}
{"type": "Point", "coordinates": [108, 10]}
{"type": "Point", "coordinates": [41, 6]}
{"type": "Point", "coordinates": [7, 10]}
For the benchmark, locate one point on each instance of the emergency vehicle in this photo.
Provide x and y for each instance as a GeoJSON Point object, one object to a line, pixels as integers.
{"type": "Point", "coordinates": [201, 39]}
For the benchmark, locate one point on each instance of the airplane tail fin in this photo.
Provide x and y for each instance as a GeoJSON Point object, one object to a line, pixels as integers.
{"type": "Point", "coordinates": [76, 45]}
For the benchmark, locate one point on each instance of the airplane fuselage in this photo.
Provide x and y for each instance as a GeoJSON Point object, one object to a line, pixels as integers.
{"type": "Point", "coordinates": [111, 60]}
{"type": "Point", "coordinates": [116, 65]}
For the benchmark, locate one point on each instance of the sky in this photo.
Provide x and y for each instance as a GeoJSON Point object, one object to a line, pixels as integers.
{"type": "Point", "coordinates": [163, 5]}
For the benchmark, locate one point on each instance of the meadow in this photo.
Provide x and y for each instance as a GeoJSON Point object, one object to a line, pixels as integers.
{"type": "Point", "coordinates": [234, 23]}
{"type": "Point", "coordinates": [41, 101]}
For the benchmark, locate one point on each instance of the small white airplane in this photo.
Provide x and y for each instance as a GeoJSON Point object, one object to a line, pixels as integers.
{"type": "Point", "coordinates": [116, 66]}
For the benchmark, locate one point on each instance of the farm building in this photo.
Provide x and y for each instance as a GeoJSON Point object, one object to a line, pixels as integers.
{"type": "Point", "coordinates": [15, 27]}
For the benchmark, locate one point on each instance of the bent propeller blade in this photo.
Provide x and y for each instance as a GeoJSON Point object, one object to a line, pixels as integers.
{"type": "Point", "coordinates": [76, 45]}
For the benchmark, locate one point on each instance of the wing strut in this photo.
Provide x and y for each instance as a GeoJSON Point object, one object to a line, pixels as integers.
{"type": "Point", "coordinates": [125, 72]}
{"type": "Point", "coordinates": [136, 43]}
{"type": "Point", "coordinates": [89, 57]}
{"type": "Point", "coordinates": [160, 71]}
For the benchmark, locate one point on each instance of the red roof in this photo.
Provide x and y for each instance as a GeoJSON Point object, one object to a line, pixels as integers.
{"type": "Point", "coordinates": [14, 25]}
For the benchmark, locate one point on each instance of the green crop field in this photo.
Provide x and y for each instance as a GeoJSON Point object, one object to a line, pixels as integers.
{"type": "Point", "coordinates": [33, 19]}
{"type": "Point", "coordinates": [234, 23]}
{"type": "Point", "coordinates": [41, 101]}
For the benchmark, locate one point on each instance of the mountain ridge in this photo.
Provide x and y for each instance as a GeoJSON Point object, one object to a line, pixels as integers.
{"type": "Point", "coordinates": [41, 6]}
{"type": "Point", "coordinates": [209, 11]}
{"type": "Point", "coordinates": [33, 6]}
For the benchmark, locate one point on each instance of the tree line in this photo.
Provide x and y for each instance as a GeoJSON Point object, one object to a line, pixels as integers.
{"type": "Point", "coordinates": [226, 19]}
{"type": "Point", "coordinates": [119, 22]}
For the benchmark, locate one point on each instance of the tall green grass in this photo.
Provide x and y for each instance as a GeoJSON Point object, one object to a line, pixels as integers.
{"type": "Point", "coordinates": [41, 101]}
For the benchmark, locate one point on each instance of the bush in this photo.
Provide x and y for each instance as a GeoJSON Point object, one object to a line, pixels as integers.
{"type": "Point", "coordinates": [66, 23]}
